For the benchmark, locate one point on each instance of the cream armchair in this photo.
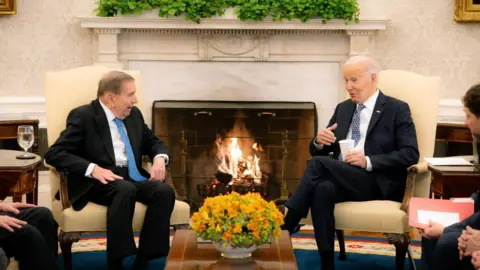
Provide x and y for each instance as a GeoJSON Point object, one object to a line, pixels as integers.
{"type": "Point", "coordinates": [64, 91]}
{"type": "Point", "coordinates": [390, 217]}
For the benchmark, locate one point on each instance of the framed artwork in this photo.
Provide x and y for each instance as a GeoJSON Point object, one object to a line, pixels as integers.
{"type": "Point", "coordinates": [8, 7]}
{"type": "Point", "coordinates": [467, 10]}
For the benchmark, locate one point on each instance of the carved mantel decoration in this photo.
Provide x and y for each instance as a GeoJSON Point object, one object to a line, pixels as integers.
{"type": "Point", "coordinates": [121, 39]}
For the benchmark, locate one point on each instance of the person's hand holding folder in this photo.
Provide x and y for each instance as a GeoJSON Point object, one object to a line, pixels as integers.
{"type": "Point", "coordinates": [433, 231]}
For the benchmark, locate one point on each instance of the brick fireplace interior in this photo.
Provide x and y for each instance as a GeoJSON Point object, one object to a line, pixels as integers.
{"type": "Point", "coordinates": [228, 144]}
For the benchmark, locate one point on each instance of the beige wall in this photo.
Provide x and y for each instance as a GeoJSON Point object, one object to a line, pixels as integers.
{"type": "Point", "coordinates": [42, 36]}
{"type": "Point", "coordinates": [421, 37]}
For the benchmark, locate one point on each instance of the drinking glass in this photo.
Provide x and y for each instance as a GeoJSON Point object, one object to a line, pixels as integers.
{"type": "Point", "coordinates": [25, 139]}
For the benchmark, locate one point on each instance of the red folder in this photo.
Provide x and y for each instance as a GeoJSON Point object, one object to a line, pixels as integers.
{"type": "Point", "coordinates": [464, 209]}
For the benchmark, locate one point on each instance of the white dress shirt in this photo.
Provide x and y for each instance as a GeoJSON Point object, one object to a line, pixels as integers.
{"type": "Point", "coordinates": [121, 158]}
{"type": "Point", "coordinates": [365, 116]}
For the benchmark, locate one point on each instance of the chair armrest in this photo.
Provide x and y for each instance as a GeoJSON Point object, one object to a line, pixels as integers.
{"type": "Point", "coordinates": [413, 171]}
{"type": "Point", "coordinates": [421, 167]}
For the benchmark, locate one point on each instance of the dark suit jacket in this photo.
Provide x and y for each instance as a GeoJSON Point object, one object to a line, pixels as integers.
{"type": "Point", "coordinates": [391, 142]}
{"type": "Point", "coordinates": [87, 139]}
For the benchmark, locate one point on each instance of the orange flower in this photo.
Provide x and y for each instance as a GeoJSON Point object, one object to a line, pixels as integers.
{"type": "Point", "coordinates": [227, 236]}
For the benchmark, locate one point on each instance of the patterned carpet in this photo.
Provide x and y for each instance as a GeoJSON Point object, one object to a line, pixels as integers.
{"type": "Point", "coordinates": [304, 240]}
{"type": "Point", "coordinates": [364, 253]}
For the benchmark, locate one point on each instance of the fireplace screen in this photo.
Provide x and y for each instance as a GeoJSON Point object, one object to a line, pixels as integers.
{"type": "Point", "coordinates": [216, 147]}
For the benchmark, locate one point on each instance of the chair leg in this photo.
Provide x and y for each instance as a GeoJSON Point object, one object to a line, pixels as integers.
{"type": "Point", "coordinates": [410, 258]}
{"type": "Point", "coordinates": [66, 240]}
{"type": "Point", "coordinates": [402, 245]}
{"type": "Point", "coordinates": [341, 243]}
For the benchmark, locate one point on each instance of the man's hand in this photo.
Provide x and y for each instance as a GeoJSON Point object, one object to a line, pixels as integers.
{"type": "Point", "coordinates": [104, 175]}
{"type": "Point", "coordinates": [326, 136]}
{"type": "Point", "coordinates": [157, 171]}
{"type": "Point", "coordinates": [8, 222]}
{"type": "Point", "coordinates": [476, 260]}
{"type": "Point", "coordinates": [434, 230]}
{"type": "Point", "coordinates": [468, 242]}
{"type": "Point", "coordinates": [356, 158]}
{"type": "Point", "coordinates": [14, 207]}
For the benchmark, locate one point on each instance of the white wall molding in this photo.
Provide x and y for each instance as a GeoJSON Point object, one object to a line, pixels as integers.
{"type": "Point", "coordinates": [16, 108]}
{"type": "Point", "coordinates": [22, 108]}
{"type": "Point", "coordinates": [450, 111]}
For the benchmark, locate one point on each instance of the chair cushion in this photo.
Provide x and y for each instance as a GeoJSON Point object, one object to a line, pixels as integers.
{"type": "Point", "coordinates": [369, 216]}
{"type": "Point", "coordinates": [93, 218]}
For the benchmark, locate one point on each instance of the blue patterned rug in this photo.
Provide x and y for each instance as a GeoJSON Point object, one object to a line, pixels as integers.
{"type": "Point", "coordinates": [363, 253]}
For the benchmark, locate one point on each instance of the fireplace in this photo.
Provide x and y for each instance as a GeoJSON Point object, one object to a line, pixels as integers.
{"type": "Point", "coordinates": [221, 146]}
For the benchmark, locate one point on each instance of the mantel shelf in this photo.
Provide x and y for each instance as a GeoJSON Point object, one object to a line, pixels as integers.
{"type": "Point", "coordinates": [145, 22]}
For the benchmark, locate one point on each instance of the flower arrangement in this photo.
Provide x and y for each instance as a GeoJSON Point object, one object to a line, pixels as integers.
{"type": "Point", "coordinates": [241, 221]}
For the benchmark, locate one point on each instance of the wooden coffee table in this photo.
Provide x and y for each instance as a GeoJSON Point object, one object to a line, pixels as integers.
{"type": "Point", "coordinates": [186, 253]}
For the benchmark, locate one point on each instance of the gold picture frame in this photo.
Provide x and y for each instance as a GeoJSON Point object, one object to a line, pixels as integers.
{"type": "Point", "coordinates": [467, 10]}
{"type": "Point", "coordinates": [8, 7]}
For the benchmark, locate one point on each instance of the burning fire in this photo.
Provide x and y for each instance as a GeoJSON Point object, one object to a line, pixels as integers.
{"type": "Point", "coordinates": [232, 161]}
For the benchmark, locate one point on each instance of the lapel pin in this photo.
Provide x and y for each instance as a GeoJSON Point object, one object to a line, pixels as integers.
{"type": "Point", "coordinates": [378, 111]}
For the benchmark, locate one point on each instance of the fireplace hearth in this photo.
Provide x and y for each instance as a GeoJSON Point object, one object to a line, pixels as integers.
{"type": "Point", "coordinates": [217, 147]}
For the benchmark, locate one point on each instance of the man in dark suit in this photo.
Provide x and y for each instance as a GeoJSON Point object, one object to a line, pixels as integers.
{"type": "Point", "coordinates": [29, 234]}
{"type": "Point", "coordinates": [101, 149]}
{"type": "Point", "coordinates": [446, 247]}
{"type": "Point", "coordinates": [385, 146]}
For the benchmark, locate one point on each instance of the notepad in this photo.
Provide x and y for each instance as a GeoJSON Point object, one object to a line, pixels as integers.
{"type": "Point", "coordinates": [448, 161]}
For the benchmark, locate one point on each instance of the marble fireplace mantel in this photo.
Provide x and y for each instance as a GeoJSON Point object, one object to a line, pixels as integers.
{"type": "Point", "coordinates": [226, 59]}
{"type": "Point", "coordinates": [361, 36]}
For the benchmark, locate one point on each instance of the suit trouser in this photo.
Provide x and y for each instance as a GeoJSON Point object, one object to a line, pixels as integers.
{"type": "Point", "coordinates": [35, 245]}
{"type": "Point", "coordinates": [442, 254]}
{"type": "Point", "coordinates": [327, 181]}
{"type": "Point", "coordinates": [120, 197]}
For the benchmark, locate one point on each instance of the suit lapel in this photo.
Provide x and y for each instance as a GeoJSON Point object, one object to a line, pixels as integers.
{"type": "Point", "coordinates": [104, 129]}
{"type": "Point", "coordinates": [377, 112]}
{"type": "Point", "coordinates": [344, 119]}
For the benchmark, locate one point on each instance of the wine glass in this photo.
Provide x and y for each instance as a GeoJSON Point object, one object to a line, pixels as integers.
{"type": "Point", "coordinates": [25, 139]}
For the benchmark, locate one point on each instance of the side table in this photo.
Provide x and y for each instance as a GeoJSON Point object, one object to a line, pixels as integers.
{"type": "Point", "coordinates": [454, 181]}
{"type": "Point", "coordinates": [19, 176]}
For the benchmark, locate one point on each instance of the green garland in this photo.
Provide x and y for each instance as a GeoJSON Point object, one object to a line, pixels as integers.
{"type": "Point", "coordinates": [245, 10]}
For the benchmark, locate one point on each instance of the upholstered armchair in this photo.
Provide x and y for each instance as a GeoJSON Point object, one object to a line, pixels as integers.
{"type": "Point", "coordinates": [390, 217]}
{"type": "Point", "coordinates": [64, 91]}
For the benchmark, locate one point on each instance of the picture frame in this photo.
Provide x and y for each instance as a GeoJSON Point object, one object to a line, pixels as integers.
{"type": "Point", "coordinates": [467, 11]}
{"type": "Point", "coordinates": [8, 7]}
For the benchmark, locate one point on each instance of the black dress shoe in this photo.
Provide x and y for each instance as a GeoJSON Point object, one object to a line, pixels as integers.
{"type": "Point", "coordinates": [115, 265]}
{"type": "Point", "coordinates": [295, 229]}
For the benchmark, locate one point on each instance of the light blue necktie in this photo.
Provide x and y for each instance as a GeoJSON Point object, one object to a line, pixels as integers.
{"type": "Point", "coordinates": [132, 166]}
{"type": "Point", "coordinates": [355, 126]}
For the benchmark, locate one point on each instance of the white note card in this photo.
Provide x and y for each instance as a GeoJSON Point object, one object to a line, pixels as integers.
{"type": "Point", "coordinates": [448, 161]}
{"type": "Point", "coordinates": [444, 218]}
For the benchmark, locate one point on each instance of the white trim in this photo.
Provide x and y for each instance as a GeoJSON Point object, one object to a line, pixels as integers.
{"type": "Point", "coordinates": [21, 108]}
{"type": "Point", "coordinates": [145, 21]}
{"type": "Point", "coordinates": [18, 108]}
{"type": "Point", "coordinates": [450, 111]}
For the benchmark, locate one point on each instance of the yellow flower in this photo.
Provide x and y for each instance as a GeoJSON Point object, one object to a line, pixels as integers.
{"type": "Point", "coordinates": [238, 228]}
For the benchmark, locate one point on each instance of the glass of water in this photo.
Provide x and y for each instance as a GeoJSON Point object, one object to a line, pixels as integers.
{"type": "Point", "coordinates": [25, 137]}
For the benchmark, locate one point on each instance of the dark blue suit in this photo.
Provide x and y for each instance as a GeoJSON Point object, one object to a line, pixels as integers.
{"type": "Point", "coordinates": [391, 145]}
{"type": "Point", "coordinates": [442, 254]}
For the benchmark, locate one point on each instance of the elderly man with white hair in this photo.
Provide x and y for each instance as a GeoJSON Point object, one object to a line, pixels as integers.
{"type": "Point", "coordinates": [385, 145]}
